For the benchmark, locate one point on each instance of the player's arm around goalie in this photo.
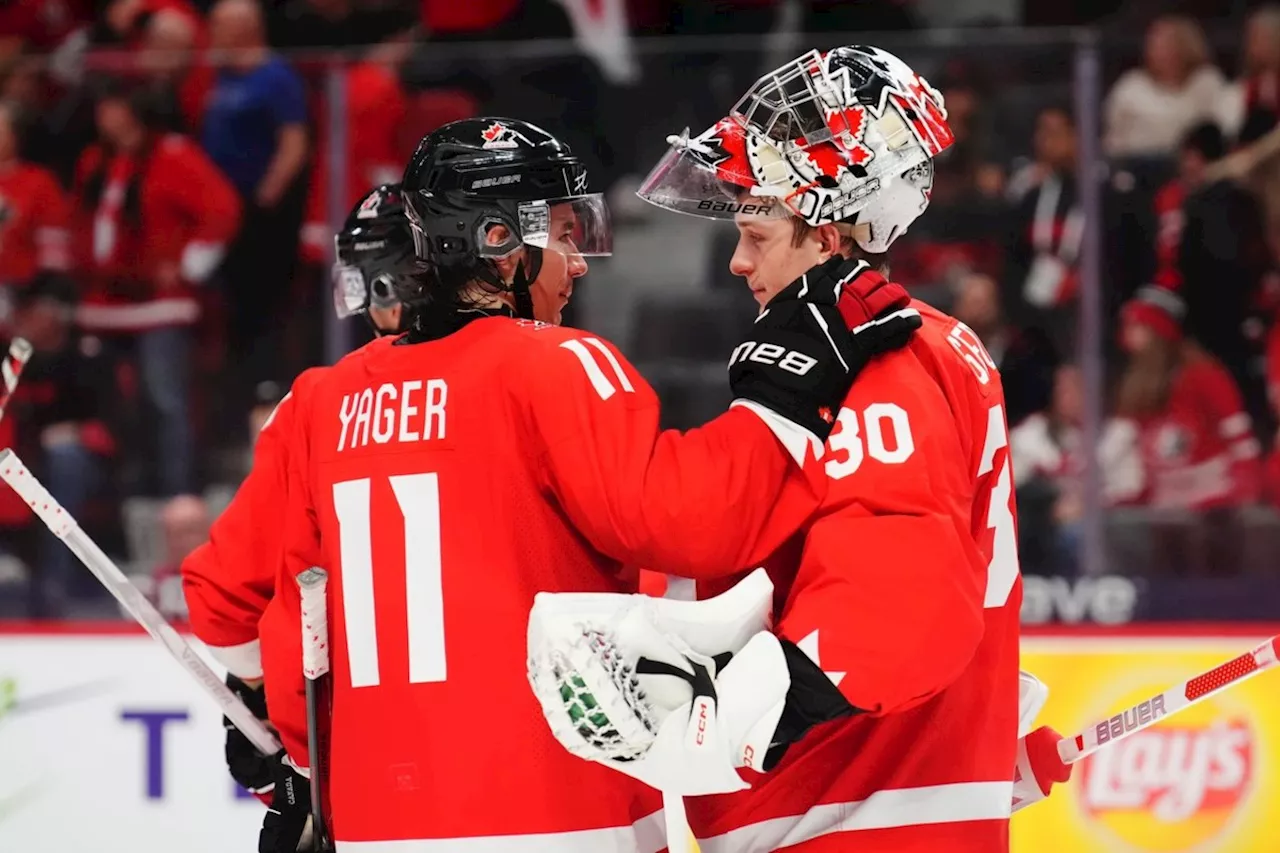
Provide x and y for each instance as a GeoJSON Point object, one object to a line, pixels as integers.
{"type": "Point", "coordinates": [888, 592]}
{"type": "Point", "coordinates": [721, 496]}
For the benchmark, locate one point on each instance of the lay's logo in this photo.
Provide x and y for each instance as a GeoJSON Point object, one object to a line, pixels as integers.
{"type": "Point", "coordinates": [1174, 786]}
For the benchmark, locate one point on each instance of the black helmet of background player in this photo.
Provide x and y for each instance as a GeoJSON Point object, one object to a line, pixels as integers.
{"type": "Point", "coordinates": [496, 205]}
{"type": "Point", "coordinates": [376, 261]}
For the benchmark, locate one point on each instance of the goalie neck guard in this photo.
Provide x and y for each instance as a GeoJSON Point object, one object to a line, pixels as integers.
{"type": "Point", "coordinates": [471, 177]}
{"type": "Point", "coordinates": [822, 138]}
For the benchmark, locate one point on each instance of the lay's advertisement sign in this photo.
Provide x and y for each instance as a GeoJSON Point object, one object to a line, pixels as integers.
{"type": "Point", "coordinates": [1205, 780]}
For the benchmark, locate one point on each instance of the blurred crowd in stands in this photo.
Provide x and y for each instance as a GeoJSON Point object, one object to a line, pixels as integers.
{"type": "Point", "coordinates": [166, 210]}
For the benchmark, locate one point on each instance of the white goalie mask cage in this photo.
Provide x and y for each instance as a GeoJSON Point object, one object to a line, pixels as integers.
{"type": "Point", "coordinates": [843, 136]}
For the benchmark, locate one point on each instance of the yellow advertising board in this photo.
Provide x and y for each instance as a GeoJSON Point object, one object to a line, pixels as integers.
{"type": "Point", "coordinates": [1207, 780]}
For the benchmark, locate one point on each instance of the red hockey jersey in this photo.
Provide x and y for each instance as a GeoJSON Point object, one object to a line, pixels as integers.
{"type": "Point", "coordinates": [228, 580]}
{"type": "Point", "coordinates": [905, 589]}
{"type": "Point", "coordinates": [169, 207]}
{"type": "Point", "coordinates": [1200, 452]}
{"type": "Point", "coordinates": [34, 220]}
{"type": "Point", "coordinates": [442, 485]}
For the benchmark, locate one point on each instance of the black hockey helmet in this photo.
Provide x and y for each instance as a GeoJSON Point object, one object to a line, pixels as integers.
{"type": "Point", "coordinates": [375, 254]}
{"type": "Point", "coordinates": [469, 176]}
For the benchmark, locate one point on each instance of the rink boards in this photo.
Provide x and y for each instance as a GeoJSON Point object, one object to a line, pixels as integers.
{"type": "Point", "coordinates": [106, 745]}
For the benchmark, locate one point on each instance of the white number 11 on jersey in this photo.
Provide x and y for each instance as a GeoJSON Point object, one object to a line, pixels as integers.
{"type": "Point", "coordinates": [418, 496]}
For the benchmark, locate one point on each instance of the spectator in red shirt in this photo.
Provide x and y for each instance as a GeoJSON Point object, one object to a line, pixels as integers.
{"type": "Point", "coordinates": [1195, 438]}
{"type": "Point", "coordinates": [56, 420]}
{"type": "Point", "coordinates": [34, 214]}
{"type": "Point", "coordinates": [156, 217]}
{"type": "Point", "coordinates": [38, 24]}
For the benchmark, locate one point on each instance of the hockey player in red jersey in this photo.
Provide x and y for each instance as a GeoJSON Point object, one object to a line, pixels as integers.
{"type": "Point", "coordinates": [446, 476]}
{"type": "Point", "coordinates": [896, 628]}
{"type": "Point", "coordinates": [228, 580]}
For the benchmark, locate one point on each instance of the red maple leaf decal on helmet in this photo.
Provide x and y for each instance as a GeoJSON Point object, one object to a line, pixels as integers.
{"type": "Point", "coordinates": [493, 131]}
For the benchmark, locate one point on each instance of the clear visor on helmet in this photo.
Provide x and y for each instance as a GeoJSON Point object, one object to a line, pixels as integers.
{"type": "Point", "coordinates": [350, 293]}
{"type": "Point", "coordinates": [696, 179]}
{"type": "Point", "coordinates": [575, 226]}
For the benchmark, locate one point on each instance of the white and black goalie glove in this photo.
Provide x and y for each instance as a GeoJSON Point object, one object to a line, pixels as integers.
{"type": "Point", "coordinates": [800, 357]}
{"type": "Point", "coordinates": [677, 694]}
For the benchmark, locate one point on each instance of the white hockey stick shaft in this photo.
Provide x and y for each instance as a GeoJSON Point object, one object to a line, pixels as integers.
{"type": "Point", "coordinates": [1150, 711]}
{"type": "Point", "coordinates": [62, 525]}
{"type": "Point", "coordinates": [11, 370]}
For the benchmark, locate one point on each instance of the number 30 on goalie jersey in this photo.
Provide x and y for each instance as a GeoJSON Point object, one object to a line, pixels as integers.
{"type": "Point", "coordinates": [921, 514]}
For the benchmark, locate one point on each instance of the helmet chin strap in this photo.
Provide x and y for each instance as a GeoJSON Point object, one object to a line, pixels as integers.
{"type": "Point", "coordinates": [521, 280]}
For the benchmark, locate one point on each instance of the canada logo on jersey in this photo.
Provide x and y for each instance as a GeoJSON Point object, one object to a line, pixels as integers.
{"type": "Point", "coordinates": [1178, 786]}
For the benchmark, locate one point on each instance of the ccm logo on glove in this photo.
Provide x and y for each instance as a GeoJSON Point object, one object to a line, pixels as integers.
{"type": "Point", "coordinates": [789, 360]}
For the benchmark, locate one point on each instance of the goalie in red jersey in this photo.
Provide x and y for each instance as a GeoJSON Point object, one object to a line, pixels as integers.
{"type": "Point", "coordinates": [228, 580]}
{"type": "Point", "coordinates": [444, 477]}
{"type": "Point", "coordinates": [891, 667]}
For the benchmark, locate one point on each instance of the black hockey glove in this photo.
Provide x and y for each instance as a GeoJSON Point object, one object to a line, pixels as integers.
{"type": "Point", "coordinates": [290, 809]}
{"type": "Point", "coordinates": [250, 768]}
{"type": "Point", "coordinates": [801, 357]}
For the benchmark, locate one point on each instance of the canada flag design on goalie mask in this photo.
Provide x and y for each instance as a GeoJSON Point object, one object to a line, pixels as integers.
{"type": "Point", "coordinates": [829, 131]}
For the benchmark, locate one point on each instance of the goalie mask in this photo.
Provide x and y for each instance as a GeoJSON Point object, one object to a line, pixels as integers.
{"type": "Point", "coordinates": [844, 136]}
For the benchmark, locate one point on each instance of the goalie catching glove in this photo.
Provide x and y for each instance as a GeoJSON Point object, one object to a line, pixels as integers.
{"type": "Point", "coordinates": [677, 694]}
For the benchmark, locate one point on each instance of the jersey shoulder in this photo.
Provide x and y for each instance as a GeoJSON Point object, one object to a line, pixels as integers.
{"type": "Point", "coordinates": [955, 355]}
{"type": "Point", "coordinates": [943, 376]}
{"type": "Point", "coordinates": [550, 352]}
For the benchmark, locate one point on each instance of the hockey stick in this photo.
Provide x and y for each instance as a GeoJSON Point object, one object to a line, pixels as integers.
{"type": "Point", "coordinates": [315, 665]}
{"type": "Point", "coordinates": [62, 525]}
{"type": "Point", "coordinates": [1049, 762]}
{"type": "Point", "coordinates": [19, 354]}
{"type": "Point", "coordinates": [1150, 711]}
